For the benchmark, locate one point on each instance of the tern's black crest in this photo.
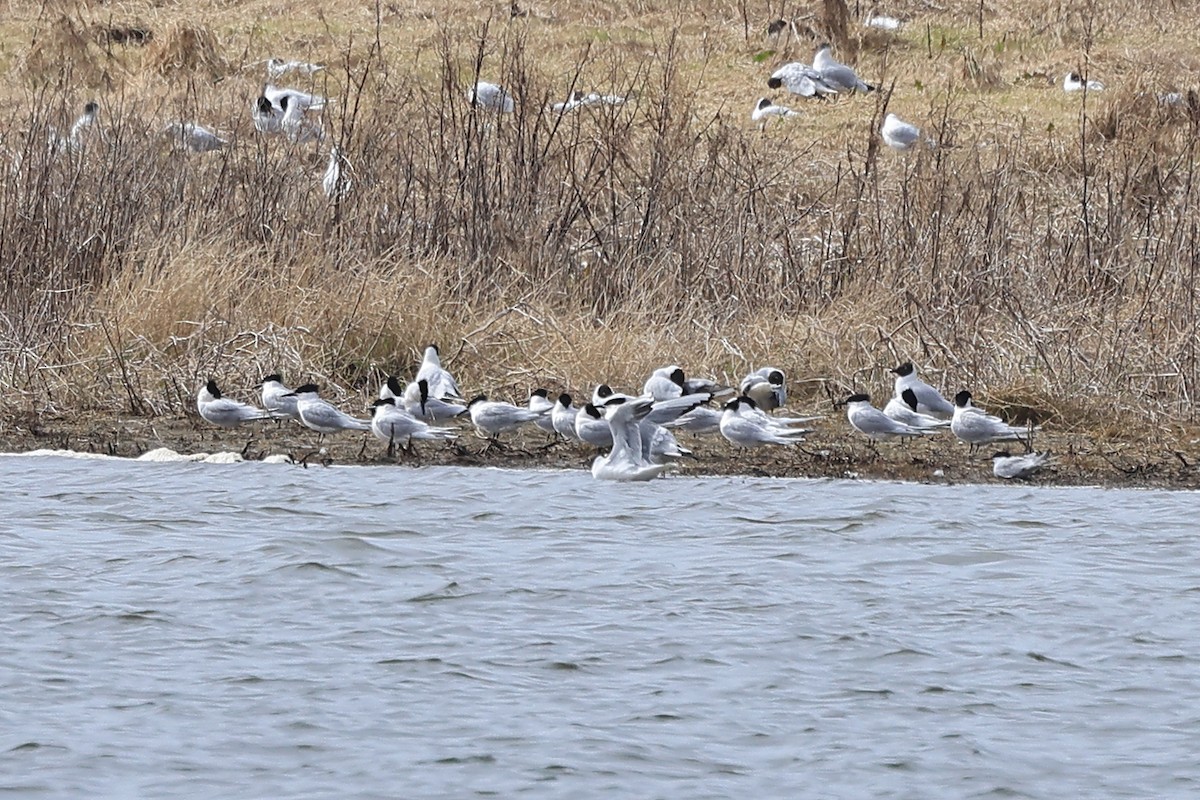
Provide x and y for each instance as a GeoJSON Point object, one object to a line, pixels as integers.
{"type": "Point", "coordinates": [764, 102]}
{"type": "Point", "coordinates": [91, 108]}
{"type": "Point", "coordinates": [904, 369]}
{"type": "Point", "coordinates": [592, 411]}
{"type": "Point", "coordinates": [1073, 77]}
{"type": "Point", "coordinates": [308, 387]}
{"type": "Point", "coordinates": [211, 386]}
{"type": "Point", "coordinates": [775, 378]}
{"type": "Point", "coordinates": [393, 384]}
{"type": "Point", "coordinates": [1001, 454]}
{"type": "Point", "coordinates": [383, 401]}
{"type": "Point", "coordinates": [274, 376]}
{"type": "Point", "coordinates": [910, 398]}
{"type": "Point", "coordinates": [423, 385]}
{"type": "Point", "coordinates": [565, 400]}
{"type": "Point", "coordinates": [542, 393]}
{"type": "Point", "coordinates": [677, 377]}
{"type": "Point", "coordinates": [962, 398]}
{"type": "Point", "coordinates": [776, 27]}
{"type": "Point", "coordinates": [604, 390]}
{"type": "Point", "coordinates": [858, 398]}
{"type": "Point", "coordinates": [264, 105]}
{"type": "Point", "coordinates": [774, 83]}
{"type": "Point", "coordinates": [747, 401]}
{"type": "Point", "coordinates": [733, 404]}
{"type": "Point", "coordinates": [479, 398]}
{"type": "Point", "coordinates": [283, 102]}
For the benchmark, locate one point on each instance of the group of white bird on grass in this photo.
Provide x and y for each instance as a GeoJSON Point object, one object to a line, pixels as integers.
{"type": "Point", "coordinates": [637, 431]}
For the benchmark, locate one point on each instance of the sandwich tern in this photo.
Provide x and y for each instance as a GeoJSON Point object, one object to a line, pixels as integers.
{"type": "Point", "coordinates": [222, 411]}
{"type": "Point", "coordinates": [764, 110]}
{"type": "Point", "coordinates": [304, 101]}
{"type": "Point", "coordinates": [592, 428]}
{"type": "Point", "coordinates": [604, 395]}
{"type": "Point", "coordinates": [750, 431]}
{"type": "Point", "coordinates": [929, 400]}
{"type": "Point", "coordinates": [562, 417]}
{"type": "Point", "coordinates": [194, 138]}
{"type": "Point", "coordinates": [394, 426]}
{"type": "Point", "coordinates": [873, 423]}
{"type": "Point", "coordinates": [1072, 82]}
{"type": "Point", "coordinates": [1019, 467]}
{"type": "Point", "coordinates": [278, 399]}
{"type": "Point", "coordinates": [700, 419]}
{"type": "Point", "coordinates": [335, 184]}
{"type": "Point", "coordinates": [976, 427]}
{"type": "Point", "coordinates": [801, 79]}
{"type": "Point", "coordinates": [785, 425]}
{"type": "Point", "coordinates": [419, 403]}
{"type": "Point", "coordinates": [441, 382]}
{"type": "Point", "coordinates": [665, 383]}
{"type": "Point", "coordinates": [904, 409]}
{"type": "Point", "coordinates": [494, 417]}
{"type": "Point", "coordinates": [491, 97]}
{"type": "Point", "coordinates": [836, 74]}
{"type": "Point", "coordinates": [85, 122]}
{"type": "Point", "coordinates": [765, 387]}
{"type": "Point", "coordinates": [322, 416]}
{"type": "Point", "coordinates": [628, 460]}
{"type": "Point", "coordinates": [898, 134]}
{"type": "Point", "coordinates": [539, 403]}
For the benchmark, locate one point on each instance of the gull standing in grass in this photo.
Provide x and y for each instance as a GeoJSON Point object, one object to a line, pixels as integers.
{"type": "Point", "coordinates": [395, 426]}
{"type": "Point", "coordinates": [976, 427]}
{"type": "Point", "coordinates": [904, 409]}
{"type": "Point", "coordinates": [278, 399]}
{"type": "Point", "coordinates": [898, 134]}
{"type": "Point", "coordinates": [801, 79]}
{"type": "Point", "coordinates": [929, 400]}
{"type": "Point", "coordinates": [493, 417]}
{"type": "Point", "coordinates": [225, 412]}
{"type": "Point", "coordinates": [628, 460]}
{"type": "Point", "coordinates": [491, 97]}
{"type": "Point", "coordinates": [321, 416]}
{"type": "Point", "coordinates": [1072, 82]}
{"type": "Point", "coordinates": [764, 110]}
{"type": "Point", "coordinates": [562, 417]}
{"type": "Point", "coordinates": [836, 74]}
{"type": "Point", "coordinates": [874, 424]}
{"type": "Point", "coordinates": [335, 184]}
{"type": "Point", "coordinates": [1023, 467]}
{"type": "Point", "coordinates": [751, 431]}
{"type": "Point", "coordinates": [765, 387]}
{"type": "Point", "coordinates": [441, 382]}
{"type": "Point", "coordinates": [193, 137]}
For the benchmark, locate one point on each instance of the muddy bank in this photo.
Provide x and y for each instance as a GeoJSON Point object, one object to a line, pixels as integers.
{"type": "Point", "coordinates": [830, 452]}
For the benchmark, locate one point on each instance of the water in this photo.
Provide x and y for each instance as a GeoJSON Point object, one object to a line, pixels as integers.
{"type": "Point", "coordinates": [251, 631]}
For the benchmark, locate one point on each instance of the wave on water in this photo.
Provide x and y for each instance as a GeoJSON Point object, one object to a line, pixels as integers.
{"type": "Point", "coordinates": [159, 454]}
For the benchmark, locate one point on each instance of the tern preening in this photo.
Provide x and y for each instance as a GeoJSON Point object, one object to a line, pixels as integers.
{"type": "Point", "coordinates": [395, 426]}
{"type": "Point", "coordinates": [1022, 468]}
{"type": "Point", "coordinates": [766, 388]}
{"type": "Point", "coordinates": [539, 403]}
{"type": "Point", "coordinates": [801, 79]}
{"type": "Point", "coordinates": [929, 400]}
{"type": "Point", "coordinates": [836, 74]}
{"type": "Point", "coordinates": [421, 404]}
{"type": "Point", "coordinates": [225, 412]}
{"type": "Point", "coordinates": [976, 427]}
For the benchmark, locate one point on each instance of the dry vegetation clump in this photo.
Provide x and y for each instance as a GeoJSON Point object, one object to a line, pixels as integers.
{"type": "Point", "coordinates": [1045, 255]}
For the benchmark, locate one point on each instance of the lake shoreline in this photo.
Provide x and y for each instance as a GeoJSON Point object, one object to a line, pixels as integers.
{"type": "Point", "coordinates": [831, 451]}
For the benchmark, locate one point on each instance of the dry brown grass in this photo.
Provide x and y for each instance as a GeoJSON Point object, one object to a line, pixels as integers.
{"type": "Point", "coordinates": [1047, 259]}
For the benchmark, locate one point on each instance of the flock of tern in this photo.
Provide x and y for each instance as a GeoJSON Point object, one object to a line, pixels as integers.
{"type": "Point", "coordinates": [636, 431]}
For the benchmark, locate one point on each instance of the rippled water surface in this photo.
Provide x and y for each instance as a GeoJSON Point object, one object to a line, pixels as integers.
{"type": "Point", "coordinates": [253, 631]}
